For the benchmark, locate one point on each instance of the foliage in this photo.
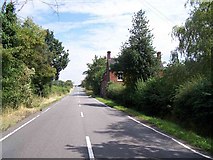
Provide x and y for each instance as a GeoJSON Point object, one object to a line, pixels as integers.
{"type": "Point", "coordinates": [192, 100]}
{"type": "Point", "coordinates": [61, 83]}
{"type": "Point", "coordinates": [35, 55]}
{"type": "Point", "coordinates": [61, 87]}
{"type": "Point", "coordinates": [27, 62]}
{"type": "Point", "coordinates": [8, 22]}
{"type": "Point", "coordinates": [59, 58]}
{"type": "Point", "coordinates": [69, 83]}
{"type": "Point", "coordinates": [171, 80]}
{"type": "Point", "coordinates": [94, 74]}
{"type": "Point", "coordinates": [137, 59]}
{"type": "Point", "coordinates": [115, 91]}
{"type": "Point", "coordinates": [16, 81]}
{"type": "Point", "coordinates": [150, 97]}
{"type": "Point", "coordinates": [193, 103]}
{"type": "Point", "coordinates": [196, 36]}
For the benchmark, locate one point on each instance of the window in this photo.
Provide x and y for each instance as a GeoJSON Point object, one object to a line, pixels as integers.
{"type": "Point", "coordinates": [120, 76]}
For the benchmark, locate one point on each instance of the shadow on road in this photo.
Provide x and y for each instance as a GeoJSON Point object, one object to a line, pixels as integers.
{"type": "Point", "coordinates": [93, 104]}
{"type": "Point", "coordinates": [131, 140]}
{"type": "Point", "coordinates": [82, 150]}
{"type": "Point", "coordinates": [79, 94]}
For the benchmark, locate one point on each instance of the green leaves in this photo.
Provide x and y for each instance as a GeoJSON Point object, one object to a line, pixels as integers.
{"type": "Point", "coordinates": [28, 65]}
{"type": "Point", "coordinates": [137, 58]}
{"type": "Point", "coordinates": [58, 58]}
{"type": "Point", "coordinates": [196, 36]}
{"type": "Point", "coordinates": [94, 74]}
{"type": "Point", "coordinates": [16, 81]}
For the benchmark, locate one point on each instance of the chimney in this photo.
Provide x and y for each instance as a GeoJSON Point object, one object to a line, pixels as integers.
{"type": "Point", "coordinates": [159, 56]}
{"type": "Point", "coordinates": [108, 54]}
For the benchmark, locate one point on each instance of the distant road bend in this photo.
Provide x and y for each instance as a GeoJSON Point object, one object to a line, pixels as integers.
{"type": "Point", "coordinates": [79, 126]}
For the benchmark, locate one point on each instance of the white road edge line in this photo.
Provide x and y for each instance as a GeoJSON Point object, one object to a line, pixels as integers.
{"type": "Point", "coordinates": [82, 115]}
{"type": "Point", "coordinates": [185, 146]}
{"type": "Point", "coordinates": [46, 110]}
{"type": "Point", "coordinates": [11, 133]}
{"type": "Point", "coordinates": [89, 147]}
{"type": "Point", "coordinates": [101, 103]}
{"type": "Point", "coordinates": [105, 105]}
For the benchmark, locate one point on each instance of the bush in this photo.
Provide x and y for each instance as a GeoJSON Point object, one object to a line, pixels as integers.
{"type": "Point", "coordinates": [59, 90]}
{"type": "Point", "coordinates": [150, 97]}
{"type": "Point", "coordinates": [193, 104]}
{"type": "Point", "coordinates": [16, 80]}
{"type": "Point", "coordinates": [115, 91]}
{"type": "Point", "coordinates": [129, 97]}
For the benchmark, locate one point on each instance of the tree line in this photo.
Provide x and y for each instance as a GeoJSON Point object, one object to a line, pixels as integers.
{"type": "Point", "coordinates": [32, 59]}
{"type": "Point", "coordinates": [182, 90]}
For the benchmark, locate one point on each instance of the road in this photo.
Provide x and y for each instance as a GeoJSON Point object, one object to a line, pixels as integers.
{"type": "Point", "coordinates": [79, 126]}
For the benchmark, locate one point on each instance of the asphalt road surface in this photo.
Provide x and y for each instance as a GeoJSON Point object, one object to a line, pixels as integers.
{"type": "Point", "coordinates": [79, 126]}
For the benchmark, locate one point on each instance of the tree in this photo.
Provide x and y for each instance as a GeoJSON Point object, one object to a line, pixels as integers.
{"type": "Point", "coordinates": [16, 76]}
{"type": "Point", "coordinates": [35, 54]}
{"type": "Point", "coordinates": [196, 37]}
{"type": "Point", "coordinates": [27, 63]}
{"type": "Point", "coordinates": [9, 20]}
{"type": "Point", "coordinates": [94, 74]}
{"type": "Point", "coordinates": [69, 83]}
{"type": "Point", "coordinates": [59, 58]}
{"type": "Point", "coordinates": [137, 59]}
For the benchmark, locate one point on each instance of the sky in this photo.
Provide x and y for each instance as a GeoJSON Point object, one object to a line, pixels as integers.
{"type": "Point", "coordinates": [93, 27]}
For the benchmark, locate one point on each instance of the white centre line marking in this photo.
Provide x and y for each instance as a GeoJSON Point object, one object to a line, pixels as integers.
{"type": "Point", "coordinates": [89, 147]}
{"type": "Point", "coordinates": [82, 115]}
{"type": "Point", "coordinates": [185, 146]}
{"type": "Point", "coordinates": [79, 105]}
{"type": "Point", "coordinates": [11, 133]}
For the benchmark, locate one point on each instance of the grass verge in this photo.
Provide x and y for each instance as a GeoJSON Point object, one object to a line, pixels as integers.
{"type": "Point", "coordinates": [171, 128]}
{"type": "Point", "coordinates": [12, 116]}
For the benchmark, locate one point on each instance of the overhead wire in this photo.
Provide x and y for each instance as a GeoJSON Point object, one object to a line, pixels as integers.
{"type": "Point", "coordinates": [158, 12]}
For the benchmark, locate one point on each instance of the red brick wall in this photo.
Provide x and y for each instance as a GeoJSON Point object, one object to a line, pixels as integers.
{"type": "Point", "coordinates": [112, 77]}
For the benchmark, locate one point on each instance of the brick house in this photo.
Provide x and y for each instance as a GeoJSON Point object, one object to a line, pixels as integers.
{"type": "Point", "coordinates": [109, 75]}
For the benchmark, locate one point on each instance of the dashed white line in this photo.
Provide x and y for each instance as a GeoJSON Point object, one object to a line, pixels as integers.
{"type": "Point", "coordinates": [11, 133]}
{"type": "Point", "coordinates": [82, 115]}
{"type": "Point", "coordinates": [185, 146]}
{"type": "Point", "coordinates": [79, 105]}
{"type": "Point", "coordinates": [89, 147]}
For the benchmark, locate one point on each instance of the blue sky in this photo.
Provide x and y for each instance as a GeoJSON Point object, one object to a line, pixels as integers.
{"type": "Point", "coordinates": [92, 27]}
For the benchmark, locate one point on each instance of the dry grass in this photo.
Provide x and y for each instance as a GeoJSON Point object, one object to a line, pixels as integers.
{"type": "Point", "coordinates": [10, 117]}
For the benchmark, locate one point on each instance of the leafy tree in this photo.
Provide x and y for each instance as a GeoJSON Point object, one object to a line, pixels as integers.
{"type": "Point", "coordinates": [69, 83]}
{"type": "Point", "coordinates": [34, 53]}
{"type": "Point", "coordinates": [94, 74]}
{"type": "Point", "coordinates": [16, 81]}
{"type": "Point", "coordinates": [16, 76]}
{"type": "Point", "coordinates": [59, 58]}
{"type": "Point", "coordinates": [8, 22]}
{"type": "Point", "coordinates": [27, 62]}
{"type": "Point", "coordinates": [196, 37]}
{"type": "Point", "coordinates": [137, 58]}
{"type": "Point", "coordinates": [192, 99]}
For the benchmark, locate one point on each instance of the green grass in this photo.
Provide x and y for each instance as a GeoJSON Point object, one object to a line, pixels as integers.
{"type": "Point", "coordinates": [166, 126]}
